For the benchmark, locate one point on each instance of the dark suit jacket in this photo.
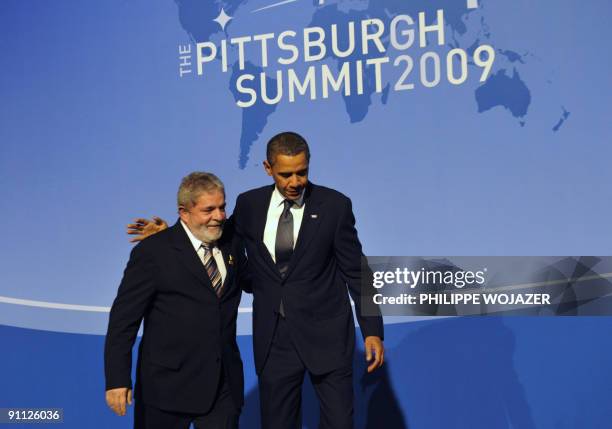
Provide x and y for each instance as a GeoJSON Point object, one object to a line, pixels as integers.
{"type": "Point", "coordinates": [326, 258]}
{"type": "Point", "coordinates": [189, 333]}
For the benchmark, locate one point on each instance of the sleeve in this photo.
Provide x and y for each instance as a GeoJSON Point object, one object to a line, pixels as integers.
{"type": "Point", "coordinates": [349, 256]}
{"type": "Point", "coordinates": [134, 296]}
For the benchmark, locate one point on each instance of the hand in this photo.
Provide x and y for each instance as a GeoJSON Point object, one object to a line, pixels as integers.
{"type": "Point", "coordinates": [117, 398]}
{"type": "Point", "coordinates": [144, 228]}
{"type": "Point", "coordinates": [374, 349]}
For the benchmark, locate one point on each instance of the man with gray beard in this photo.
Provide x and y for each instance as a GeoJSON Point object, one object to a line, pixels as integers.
{"type": "Point", "coordinates": [184, 284]}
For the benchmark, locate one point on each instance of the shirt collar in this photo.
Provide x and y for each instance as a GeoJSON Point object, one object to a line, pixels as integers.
{"type": "Point", "coordinates": [277, 198]}
{"type": "Point", "coordinates": [196, 242]}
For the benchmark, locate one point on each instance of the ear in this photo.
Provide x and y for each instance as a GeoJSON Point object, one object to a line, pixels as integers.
{"type": "Point", "coordinates": [183, 213]}
{"type": "Point", "coordinates": [267, 167]}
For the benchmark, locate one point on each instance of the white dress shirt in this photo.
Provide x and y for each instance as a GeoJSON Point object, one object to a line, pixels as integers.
{"type": "Point", "coordinates": [197, 245]}
{"type": "Point", "coordinates": [275, 210]}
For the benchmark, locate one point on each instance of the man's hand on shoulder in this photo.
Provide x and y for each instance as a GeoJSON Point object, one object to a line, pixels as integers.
{"type": "Point", "coordinates": [375, 352]}
{"type": "Point", "coordinates": [143, 228]}
{"type": "Point", "coordinates": [118, 399]}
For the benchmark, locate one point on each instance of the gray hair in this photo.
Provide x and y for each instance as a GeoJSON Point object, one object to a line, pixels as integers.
{"type": "Point", "coordinates": [195, 184]}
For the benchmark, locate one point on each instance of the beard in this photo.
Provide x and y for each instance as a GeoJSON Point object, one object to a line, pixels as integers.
{"type": "Point", "coordinates": [208, 234]}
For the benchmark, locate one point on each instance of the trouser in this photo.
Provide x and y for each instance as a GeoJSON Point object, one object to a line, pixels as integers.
{"type": "Point", "coordinates": [280, 388]}
{"type": "Point", "coordinates": [223, 415]}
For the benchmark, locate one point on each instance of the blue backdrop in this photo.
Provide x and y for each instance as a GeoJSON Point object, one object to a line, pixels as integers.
{"type": "Point", "coordinates": [103, 111]}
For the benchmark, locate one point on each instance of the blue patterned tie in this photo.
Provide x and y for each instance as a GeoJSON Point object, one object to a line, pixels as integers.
{"type": "Point", "coordinates": [211, 268]}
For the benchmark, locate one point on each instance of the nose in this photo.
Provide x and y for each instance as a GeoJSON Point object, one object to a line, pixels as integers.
{"type": "Point", "coordinates": [293, 181]}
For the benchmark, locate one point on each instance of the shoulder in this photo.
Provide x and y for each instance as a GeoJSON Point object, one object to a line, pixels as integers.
{"type": "Point", "coordinates": [329, 196]}
{"type": "Point", "coordinates": [158, 241]}
{"type": "Point", "coordinates": [328, 193]}
{"type": "Point", "coordinates": [255, 193]}
{"type": "Point", "coordinates": [254, 196]}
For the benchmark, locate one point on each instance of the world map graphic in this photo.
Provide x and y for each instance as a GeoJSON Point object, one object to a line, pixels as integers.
{"type": "Point", "coordinates": [503, 88]}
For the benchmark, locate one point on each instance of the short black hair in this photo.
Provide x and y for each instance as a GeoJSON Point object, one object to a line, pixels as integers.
{"type": "Point", "coordinates": [286, 143]}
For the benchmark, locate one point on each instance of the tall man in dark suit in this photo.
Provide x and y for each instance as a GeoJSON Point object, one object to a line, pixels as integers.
{"type": "Point", "coordinates": [303, 251]}
{"type": "Point", "coordinates": [184, 283]}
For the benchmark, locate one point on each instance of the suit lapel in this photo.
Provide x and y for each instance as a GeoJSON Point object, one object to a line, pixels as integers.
{"type": "Point", "coordinates": [261, 217]}
{"type": "Point", "coordinates": [310, 223]}
{"type": "Point", "coordinates": [188, 256]}
{"type": "Point", "coordinates": [261, 212]}
{"type": "Point", "coordinates": [230, 267]}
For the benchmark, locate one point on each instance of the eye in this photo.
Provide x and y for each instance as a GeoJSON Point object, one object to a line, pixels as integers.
{"type": "Point", "coordinates": [285, 175]}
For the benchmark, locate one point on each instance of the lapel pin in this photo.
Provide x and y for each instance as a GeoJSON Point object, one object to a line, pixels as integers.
{"type": "Point", "coordinates": [314, 216]}
{"type": "Point", "coordinates": [230, 260]}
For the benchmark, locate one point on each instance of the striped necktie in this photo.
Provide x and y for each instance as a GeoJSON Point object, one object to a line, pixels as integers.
{"type": "Point", "coordinates": [211, 268]}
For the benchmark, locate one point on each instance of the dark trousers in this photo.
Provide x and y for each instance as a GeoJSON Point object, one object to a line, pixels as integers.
{"type": "Point", "coordinates": [223, 415]}
{"type": "Point", "coordinates": [280, 388]}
